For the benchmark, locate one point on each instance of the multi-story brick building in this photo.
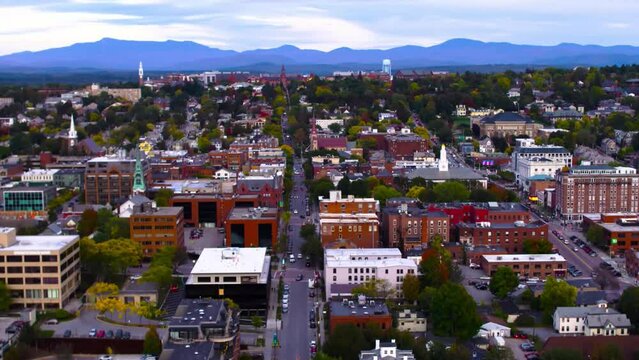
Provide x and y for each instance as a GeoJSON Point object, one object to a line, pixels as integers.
{"type": "Point", "coordinates": [360, 313]}
{"type": "Point", "coordinates": [269, 189]}
{"type": "Point", "coordinates": [494, 212]}
{"type": "Point", "coordinates": [109, 179]}
{"type": "Point", "coordinates": [252, 227]}
{"type": "Point", "coordinates": [410, 227]}
{"type": "Point", "coordinates": [40, 271]}
{"type": "Point", "coordinates": [208, 209]}
{"type": "Point", "coordinates": [156, 227]}
{"type": "Point", "coordinates": [347, 268]}
{"type": "Point", "coordinates": [525, 265]}
{"type": "Point", "coordinates": [359, 230]}
{"type": "Point", "coordinates": [508, 124]}
{"type": "Point", "coordinates": [404, 146]}
{"type": "Point", "coordinates": [335, 204]}
{"type": "Point", "coordinates": [595, 189]}
{"type": "Point", "coordinates": [620, 230]}
{"type": "Point", "coordinates": [509, 236]}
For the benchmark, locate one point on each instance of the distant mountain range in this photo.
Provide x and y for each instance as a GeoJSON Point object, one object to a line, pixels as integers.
{"type": "Point", "coordinates": [123, 55]}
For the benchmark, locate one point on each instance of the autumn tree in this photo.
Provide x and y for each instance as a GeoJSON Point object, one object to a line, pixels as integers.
{"type": "Point", "coordinates": [410, 288]}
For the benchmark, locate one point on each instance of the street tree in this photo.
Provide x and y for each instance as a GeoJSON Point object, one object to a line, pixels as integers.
{"type": "Point", "coordinates": [257, 322]}
{"type": "Point", "coordinates": [163, 196]}
{"type": "Point", "coordinates": [383, 193]}
{"type": "Point", "coordinates": [537, 246]}
{"type": "Point", "coordinates": [595, 235]}
{"type": "Point", "coordinates": [88, 222]}
{"type": "Point", "coordinates": [101, 290]}
{"type": "Point", "coordinates": [557, 293]}
{"type": "Point", "coordinates": [159, 274]}
{"type": "Point", "coordinates": [454, 312]}
{"type": "Point", "coordinates": [503, 282]}
{"type": "Point", "coordinates": [410, 288]}
{"type": "Point", "coordinates": [152, 342]}
{"type": "Point", "coordinates": [346, 342]}
{"type": "Point", "coordinates": [307, 231]}
{"type": "Point", "coordinates": [629, 305]}
{"type": "Point", "coordinates": [5, 297]}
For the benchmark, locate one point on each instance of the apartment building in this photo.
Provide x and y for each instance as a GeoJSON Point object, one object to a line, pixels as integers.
{"type": "Point", "coordinates": [410, 227]}
{"type": "Point", "coordinates": [509, 236]}
{"type": "Point", "coordinates": [526, 265]}
{"type": "Point", "coordinates": [40, 271]}
{"type": "Point", "coordinates": [109, 179]}
{"type": "Point", "coordinates": [620, 230]}
{"type": "Point", "coordinates": [347, 268]}
{"type": "Point", "coordinates": [599, 320]}
{"type": "Point", "coordinates": [335, 204]}
{"type": "Point", "coordinates": [349, 230]}
{"type": "Point", "coordinates": [156, 227]}
{"type": "Point", "coordinates": [553, 156]}
{"type": "Point", "coordinates": [595, 189]}
{"type": "Point", "coordinates": [252, 227]}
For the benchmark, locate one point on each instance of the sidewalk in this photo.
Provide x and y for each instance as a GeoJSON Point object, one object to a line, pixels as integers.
{"type": "Point", "coordinates": [271, 319]}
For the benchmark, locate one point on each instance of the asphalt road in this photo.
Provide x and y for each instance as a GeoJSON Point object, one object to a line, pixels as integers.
{"type": "Point", "coordinates": [296, 333]}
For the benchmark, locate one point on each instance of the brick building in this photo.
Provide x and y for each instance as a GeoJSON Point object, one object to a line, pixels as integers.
{"type": "Point", "coordinates": [508, 124]}
{"type": "Point", "coordinates": [527, 266]}
{"type": "Point", "coordinates": [201, 209]}
{"type": "Point", "coordinates": [595, 189]}
{"type": "Point", "coordinates": [269, 189]}
{"type": "Point", "coordinates": [620, 230]}
{"type": "Point", "coordinates": [361, 313]}
{"type": "Point", "coordinates": [109, 179]}
{"type": "Point", "coordinates": [410, 227]}
{"type": "Point", "coordinates": [156, 227]}
{"type": "Point", "coordinates": [335, 204]}
{"type": "Point", "coordinates": [494, 212]}
{"type": "Point", "coordinates": [349, 230]}
{"type": "Point", "coordinates": [252, 227]}
{"type": "Point", "coordinates": [509, 236]}
{"type": "Point", "coordinates": [404, 146]}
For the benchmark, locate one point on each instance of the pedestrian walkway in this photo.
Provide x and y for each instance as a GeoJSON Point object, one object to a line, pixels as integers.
{"type": "Point", "coordinates": [271, 319]}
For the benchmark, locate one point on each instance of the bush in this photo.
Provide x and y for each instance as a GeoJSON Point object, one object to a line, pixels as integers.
{"type": "Point", "coordinates": [525, 320]}
{"type": "Point", "coordinates": [58, 314]}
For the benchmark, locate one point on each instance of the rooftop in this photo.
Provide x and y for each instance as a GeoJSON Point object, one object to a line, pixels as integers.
{"type": "Point", "coordinates": [353, 308]}
{"type": "Point", "coordinates": [35, 243]}
{"type": "Point", "coordinates": [196, 311]}
{"type": "Point", "coordinates": [253, 213]}
{"type": "Point", "coordinates": [231, 261]}
{"type": "Point", "coordinates": [453, 173]}
{"type": "Point", "coordinates": [523, 257]}
{"type": "Point", "coordinates": [507, 117]}
{"type": "Point", "coordinates": [492, 225]}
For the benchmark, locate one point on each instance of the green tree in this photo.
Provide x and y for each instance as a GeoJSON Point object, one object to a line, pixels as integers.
{"type": "Point", "coordinates": [410, 288]}
{"type": "Point", "coordinates": [629, 305]}
{"type": "Point", "coordinates": [450, 191]}
{"type": "Point", "coordinates": [425, 299]}
{"type": "Point", "coordinates": [88, 222]}
{"type": "Point", "coordinates": [561, 354]}
{"type": "Point", "coordinates": [499, 353]}
{"type": "Point", "coordinates": [595, 235]}
{"type": "Point", "coordinates": [312, 247]}
{"type": "Point", "coordinates": [437, 266]}
{"type": "Point", "coordinates": [320, 187]}
{"type": "Point", "coordinates": [608, 352]}
{"type": "Point", "coordinates": [152, 342]}
{"type": "Point", "coordinates": [307, 231]}
{"type": "Point", "coordinates": [344, 185]}
{"type": "Point", "coordinates": [346, 342]}
{"type": "Point", "coordinates": [163, 196]}
{"type": "Point", "coordinates": [383, 193]}
{"type": "Point", "coordinates": [5, 297]}
{"type": "Point", "coordinates": [257, 321]}
{"type": "Point", "coordinates": [454, 312]}
{"type": "Point", "coordinates": [376, 288]}
{"type": "Point", "coordinates": [160, 274]}
{"type": "Point", "coordinates": [416, 192]}
{"type": "Point", "coordinates": [557, 293]}
{"type": "Point", "coordinates": [537, 246]}
{"type": "Point", "coordinates": [203, 144]}
{"type": "Point", "coordinates": [503, 282]}
{"type": "Point", "coordinates": [482, 195]}
{"type": "Point", "coordinates": [335, 128]}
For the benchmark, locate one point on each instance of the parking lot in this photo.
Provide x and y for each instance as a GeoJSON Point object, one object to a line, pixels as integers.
{"type": "Point", "coordinates": [202, 238]}
{"type": "Point", "coordinates": [482, 297]}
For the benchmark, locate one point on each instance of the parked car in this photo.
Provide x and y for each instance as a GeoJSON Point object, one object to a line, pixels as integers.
{"type": "Point", "coordinates": [520, 335]}
{"type": "Point", "coordinates": [126, 335]}
{"type": "Point", "coordinates": [174, 288]}
{"type": "Point", "coordinates": [105, 357]}
{"type": "Point", "coordinates": [285, 308]}
{"type": "Point", "coordinates": [93, 333]}
{"type": "Point", "coordinates": [100, 334]}
{"type": "Point", "coordinates": [109, 334]}
{"type": "Point", "coordinates": [52, 322]}
{"type": "Point", "coordinates": [527, 347]}
{"type": "Point", "coordinates": [119, 334]}
{"type": "Point", "coordinates": [67, 333]}
{"type": "Point", "coordinates": [299, 277]}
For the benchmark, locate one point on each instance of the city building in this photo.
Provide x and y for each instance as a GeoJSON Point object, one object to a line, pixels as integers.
{"type": "Point", "coordinates": [27, 198]}
{"type": "Point", "coordinates": [386, 350]}
{"type": "Point", "coordinates": [404, 146]}
{"type": "Point", "coordinates": [40, 271]}
{"type": "Point", "coordinates": [595, 189]}
{"type": "Point", "coordinates": [526, 265]}
{"type": "Point", "coordinates": [494, 212]}
{"type": "Point", "coordinates": [210, 209]}
{"type": "Point", "coordinates": [69, 178]}
{"type": "Point", "coordinates": [410, 227]}
{"type": "Point", "coordinates": [156, 227]}
{"type": "Point", "coordinates": [360, 230]}
{"type": "Point", "coordinates": [130, 94]}
{"type": "Point", "coordinates": [137, 292]}
{"type": "Point", "coordinates": [252, 227]}
{"type": "Point", "coordinates": [240, 274]}
{"type": "Point", "coordinates": [411, 321]}
{"type": "Point", "coordinates": [269, 189]}
{"type": "Point", "coordinates": [529, 159]}
{"type": "Point", "coordinates": [110, 179]}
{"type": "Point", "coordinates": [510, 236]}
{"type": "Point", "coordinates": [39, 176]}
{"type": "Point", "coordinates": [588, 345]}
{"type": "Point", "coordinates": [347, 268]}
{"type": "Point", "coordinates": [335, 204]}
{"type": "Point", "coordinates": [620, 230]}
{"type": "Point", "coordinates": [208, 326]}
{"type": "Point", "coordinates": [508, 124]}
{"type": "Point", "coordinates": [597, 320]}
{"type": "Point", "coordinates": [360, 312]}
{"type": "Point", "coordinates": [443, 173]}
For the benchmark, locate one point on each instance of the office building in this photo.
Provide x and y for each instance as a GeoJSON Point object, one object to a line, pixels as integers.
{"type": "Point", "coordinates": [508, 124]}
{"type": "Point", "coordinates": [27, 198]}
{"type": "Point", "coordinates": [252, 227]}
{"type": "Point", "coordinates": [110, 179]}
{"type": "Point", "coordinates": [509, 236]}
{"type": "Point", "coordinates": [40, 271]}
{"type": "Point", "coordinates": [360, 312]}
{"type": "Point", "coordinates": [526, 265]}
{"type": "Point", "coordinates": [211, 209]}
{"type": "Point", "coordinates": [359, 230]}
{"type": "Point", "coordinates": [620, 230]}
{"type": "Point", "coordinates": [156, 227]}
{"type": "Point", "coordinates": [409, 227]}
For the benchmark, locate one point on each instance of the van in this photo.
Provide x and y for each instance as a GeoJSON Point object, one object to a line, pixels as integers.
{"type": "Point", "coordinates": [291, 258]}
{"type": "Point", "coordinates": [52, 322]}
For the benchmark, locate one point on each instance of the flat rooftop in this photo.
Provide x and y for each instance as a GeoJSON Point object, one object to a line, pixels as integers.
{"type": "Point", "coordinates": [162, 211]}
{"type": "Point", "coordinates": [35, 243]}
{"type": "Point", "coordinates": [523, 257]}
{"type": "Point", "coordinates": [338, 308]}
{"type": "Point", "coordinates": [231, 261]}
{"type": "Point", "coordinates": [253, 213]}
{"type": "Point", "coordinates": [192, 312]}
{"type": "Point", "coordinates": [347, 254]}
{"type": "Point", "coordinates": [512, 225]}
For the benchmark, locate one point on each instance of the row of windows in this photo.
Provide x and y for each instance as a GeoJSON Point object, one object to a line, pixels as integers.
{"type": "Point", "coordinates": [351, 228]}
{"type": "Point", "coordinates": [28, 258]}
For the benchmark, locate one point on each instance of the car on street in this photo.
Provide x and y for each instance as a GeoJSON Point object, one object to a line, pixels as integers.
{"type": "Point", "coordinates": [105, 357]}
{"type": "Point", "coordinates": [109, 334]}
{"type": "Point", "coordinates": [285, 301]}
{"type": "Point", "coordinates": [295, 211]}
{"type": "Point", "coordinates": [299, 256]}
{"type": "Point", "coordinates": [311, 294]}
{"type": "Point", "coordinates": [126, 335]}
{"type": "Point", "coordinates": [527, 347]}
{"type": "Point", "coordinates": [174, 288]}
{"type": "Point", "coordinates": [575, 249]}
{"type": "Point", "coordinates": [308, 263]}
{"type": "Point", "coordinates": [299, 277]}
{"type": "Point", "coordinates": [520, 335]}
{"type": "Point", "coordinates": [287, 287]}
{"type": "Point", "coordinates": [52, 322]}
{"type": "Point", "coordinates": [285, 308]}
{"type": "Point", "coordinates": [119, 334]}
{"type": "Point", "coordinates": [93, 333]}
{"type": "Point", "coordinates": [67, 333]}
{"type": "Point", "coordinates": [313, 347]}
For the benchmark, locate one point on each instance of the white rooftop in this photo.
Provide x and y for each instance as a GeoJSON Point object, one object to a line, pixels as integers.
{"type": "Point", "coordinates": [373, 257]}
{"type": "Point", "coordinates": [231, 261]}
{"type": "Point", "coordinates": [41, 172]}
{"type": "Point", "coordinates": [524, 257]}
{"type": "Point", "coordinates": [111, 158]}
{"type": "Point", "coordinates": [39, 242]}
{"type": "Point", "coordinates": [371, 252]}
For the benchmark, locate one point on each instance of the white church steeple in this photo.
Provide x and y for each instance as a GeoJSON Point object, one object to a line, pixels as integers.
{"type": "Point", "coordinates": [73, 134]}
{"type": "Point", "coordinates": [443, 159]}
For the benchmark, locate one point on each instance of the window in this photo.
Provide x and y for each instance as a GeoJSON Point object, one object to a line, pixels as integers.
{"type": "Point", "coordinates": [334, 271]}
{"type": "Point", "coordinates": [14, 258]}
{"type": "Point", "coordinates": [334, 278]}
{"type": "Point", "coordinates": [50, 280]}
{"type": "Point", "coordinates": [203, 279]}
{"type": "Point", "coordinates": [227, 279]}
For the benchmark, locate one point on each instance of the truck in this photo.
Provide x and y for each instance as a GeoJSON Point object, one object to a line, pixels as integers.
{"type": "Point", "coordinates": [311, 283]}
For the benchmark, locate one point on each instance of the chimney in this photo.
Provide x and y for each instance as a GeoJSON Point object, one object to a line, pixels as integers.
{"type": "Point", "coordinates": [7, 236]}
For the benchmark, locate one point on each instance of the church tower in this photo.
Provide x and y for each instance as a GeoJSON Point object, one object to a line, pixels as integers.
{"type": "Point", "coordinates": [138, 176]}
{"type": "Point", "coordinates": [73, 134]}
{"type": "Point", "coordinates": [314, 142]}
{"type": "Point", "coordinates": [443, 159]}
{"type": "Point", "coordinates": [140, 75]}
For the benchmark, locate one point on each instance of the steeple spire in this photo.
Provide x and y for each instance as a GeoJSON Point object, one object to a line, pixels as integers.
{"type": "Point", "coordinates": [443, 159]}
{"type": "Point", "coordinates": [141, 75]}
{"type": "Point", "coordinates": [73, 134]}
{"type": "Point", "coordinates": [138, 176]}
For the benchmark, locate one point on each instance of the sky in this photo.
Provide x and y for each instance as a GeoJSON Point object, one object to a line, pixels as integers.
{"type": "Point", "coordinates": [324, 25]}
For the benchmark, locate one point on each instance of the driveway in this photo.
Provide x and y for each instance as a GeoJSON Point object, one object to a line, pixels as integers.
{"type": "Point", "coordinates": [482, 297]}
{"type": "Point", "coordinates": [514, 345]}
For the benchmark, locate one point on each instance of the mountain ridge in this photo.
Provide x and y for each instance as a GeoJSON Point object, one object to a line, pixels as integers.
{"type": "Point", "coordinates": [171, 55]}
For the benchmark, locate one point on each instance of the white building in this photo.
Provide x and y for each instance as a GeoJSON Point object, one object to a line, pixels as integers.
{"type": "Point", "coordinates": [230, 266]}
{"type": "Point", "coordinates": [529, 159]}
{"type": "Point", "coordinates": [491, 329]}
{"type": "Point", "coordinates": [224, 174]}
{"type": "Point", "coordinates": [39, 176]}
{"type": "Point", "coordinates": [590, 321]}
{"type": "Point", "coordinates": [410, 321]}
{"type": "Point", "coordinates": [344, 268]}
{"type": "Point", "coordinates": [325, 123]}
